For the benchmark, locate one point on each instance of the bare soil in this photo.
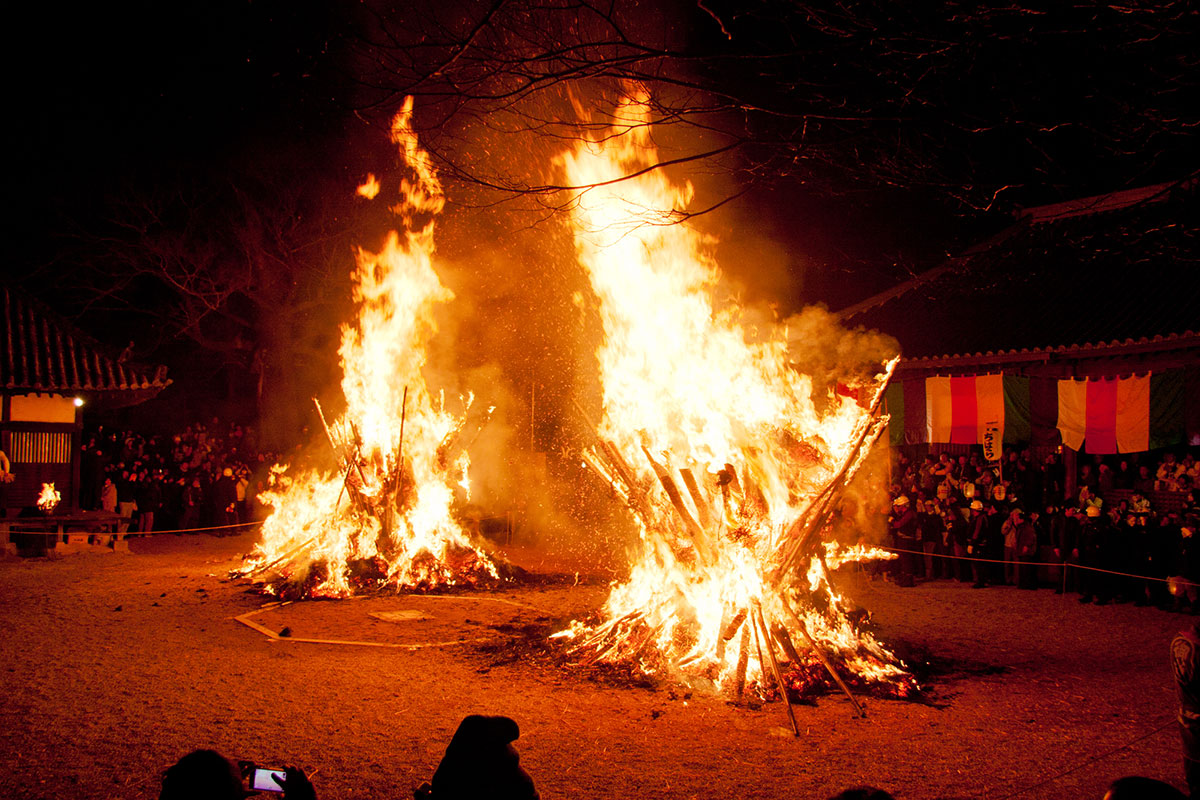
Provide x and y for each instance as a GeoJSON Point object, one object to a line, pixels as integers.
{"type": "Point", "coordinates": [113, 665]}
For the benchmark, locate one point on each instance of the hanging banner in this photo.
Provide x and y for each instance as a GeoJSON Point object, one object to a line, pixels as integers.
{"type": "Point", "coordinates": [993, 440]}
{"type": "Point", "coordinates": [958, 410]}
{"type": "Point", "coordinates": [1111, 415]}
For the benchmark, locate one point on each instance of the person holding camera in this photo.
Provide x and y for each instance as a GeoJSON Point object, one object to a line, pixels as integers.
{"type": "Point", "coordinates": [208, 775]}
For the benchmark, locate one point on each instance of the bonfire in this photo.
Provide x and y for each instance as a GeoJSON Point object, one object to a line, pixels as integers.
{"type": "Point", "coordinates": [713, 440]}
{"type": "Point", "coordinates": [48, 499]}
{"type": "Point", "coordinates": [385, 516]}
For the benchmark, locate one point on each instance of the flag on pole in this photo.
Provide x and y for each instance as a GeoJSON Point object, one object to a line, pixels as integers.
{"type": "Point", "coordinates": [965, 410]}
{"type": "Point", "coordinates": [1111, 414]}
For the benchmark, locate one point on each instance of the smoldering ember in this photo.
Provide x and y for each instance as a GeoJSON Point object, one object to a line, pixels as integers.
{"type": "Point", "coordinates": [603, 400]}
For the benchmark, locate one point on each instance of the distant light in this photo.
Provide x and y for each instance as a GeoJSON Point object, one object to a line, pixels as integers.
{"type": "Point", "coordinates": [78, 402]}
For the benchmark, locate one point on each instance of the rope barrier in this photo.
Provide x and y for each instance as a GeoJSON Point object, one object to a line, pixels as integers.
{"type": "Point", "coordinates": [198, 530]}
{"type": "Point", "coordinates": [1062, 564]}
{"type": "Point", "coordinates": [1088, 761]}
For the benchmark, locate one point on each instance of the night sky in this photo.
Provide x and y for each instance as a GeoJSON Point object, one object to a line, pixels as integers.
{"type": "Point", "coordinates": [124, 99]}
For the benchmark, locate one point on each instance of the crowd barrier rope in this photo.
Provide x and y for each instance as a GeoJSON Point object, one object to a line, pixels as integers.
{"type": "Point", "coordinates": [256, 523]}
{"type": "Point", "coordinates": [1064, 565]}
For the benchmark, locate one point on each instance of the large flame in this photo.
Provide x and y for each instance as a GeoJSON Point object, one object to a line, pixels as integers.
{"type": "Point", "coordinates": [384, 517]}
{"type": "Point", "coordinates": [713, 440]}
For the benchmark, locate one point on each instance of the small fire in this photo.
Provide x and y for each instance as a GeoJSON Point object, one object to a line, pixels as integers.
{"type": "Point", "coordinates": [369, 188]}
{"type": "Point", "coordinates": [715, 443]}
{"type": "Point", "coordinates": [385, 516]}
{"type": "Point", "coordinates": [49, 498]}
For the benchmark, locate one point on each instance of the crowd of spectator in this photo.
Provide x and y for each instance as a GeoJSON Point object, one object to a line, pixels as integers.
{"type": "Point", "coordinates": [1016, 523]}
{"type": "Point", "coordinates": [206, 477]}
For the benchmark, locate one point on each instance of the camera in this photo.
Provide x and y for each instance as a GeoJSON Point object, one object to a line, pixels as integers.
{"type": "Point", "coordinates": [262, 779]}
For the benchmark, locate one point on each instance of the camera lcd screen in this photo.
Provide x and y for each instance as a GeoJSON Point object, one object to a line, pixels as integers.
{"type": "Point", "coordinates": [261, 780]}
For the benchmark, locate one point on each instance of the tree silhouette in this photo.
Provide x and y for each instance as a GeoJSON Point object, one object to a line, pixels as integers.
{"type": "Point", "coordinates": [974, 102]}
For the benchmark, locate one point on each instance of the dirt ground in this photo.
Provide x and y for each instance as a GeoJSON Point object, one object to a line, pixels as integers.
{"type": "Point", "coordinates": [116, 664]}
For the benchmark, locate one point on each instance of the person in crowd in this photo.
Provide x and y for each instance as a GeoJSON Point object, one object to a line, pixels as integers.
{"type": "Point", "coordinates": [978, 535]}
{"type": "Point", "coordinates": [126, 498]}
{"type": "Point", "coordinates": [927, 479]}
{"type": "Point", "coordinates": [944, 468]}
{"type": "Point", "coordinates": [1027, 551]}
{"type": "Point", "coordinates": [1009, 531]}
{"type": "Point", "coordinates": [1144, 482]}
{"type": "Point", "coordinates": [1186, 488]}
{"type": "Point", "coordinates": [1141, 553]}
{"type": "Point", "coordinates": [957, 534]}
{"type": "Point", "coordinates": [1087, 479]}
{"type": "Point", "coordinates": [1088, 498]}
{"type": "Point", "coordinates": [1066, 549]}
{"type": "Point", "coordinates": [108, 496]}
{"type": "Point", "coordinates": [1189, 466]}
{"type": "Point", "coordinates": [1123, 554]}
{"type": "Point", "coordinates": [242, 484]}
{"type": "Point", "coordinates": [480, 762]}
{"type": "Point", "coordinates": [1029, 479]}
{"type": "Point", "coordinates": [994, 552]}
{"type": "Point", "coordinates": [225, 502]}
{"type": "Point", "coordinates": [1095, 546]}
{"type": "Point", "coordinates": [936, 541]}
{"type": "Point", "coordinates": [1123, 476]}
{"type": "Point", "coordinates": [1184, 568]}
{"type": "Point", "coordinates": [1165, 479]}
{"type": "Point", "coordinates": [1054, 476]}
{"type": "Point", "coordinates": [193, 504]}
{"type": "Point", "coordinates": [983, 484]}
{"type": "Point", "coordinates": [904, 526]}
{"type": "Point", "coordinates": [6, 477]}
{"type": "Point", "coordinates": [149, 498]}
{"type": "Point", "coordinates": [1104, 478]}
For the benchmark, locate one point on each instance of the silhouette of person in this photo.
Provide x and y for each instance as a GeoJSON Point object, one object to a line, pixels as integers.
{"type": "Point", "coordinates": [202, 775]}
{"type": "Point", "coordinates": [480, 761]}
{"type": "Point", "coordinates": [1136, 787]}
{"type": "Point", "coordinates": [1185, 658]}
{"type": "Point", "coordinates": [208, 775]}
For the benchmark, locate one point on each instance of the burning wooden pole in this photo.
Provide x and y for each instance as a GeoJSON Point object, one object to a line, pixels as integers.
{"type": "Point", "coordinates": [820, 654]}
{"type": "Point", "coordinates": [400, 447]}
{"type": "Point", "coordinates": [783, 693]}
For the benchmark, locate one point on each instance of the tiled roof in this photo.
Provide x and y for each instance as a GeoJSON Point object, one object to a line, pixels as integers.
{"type": "Point", "coordinates": [42, 352]}
{"type": "Point", "coordinates": [1116, 268]}
{"type": "Point", "coordinates": [1188, 340]}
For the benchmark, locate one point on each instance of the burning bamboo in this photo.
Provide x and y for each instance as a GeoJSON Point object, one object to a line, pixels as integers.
{"type": "Point", "coordinates": [402, 528]}
{"type": "Point", "coordinates": [689, 522]}
{"type": "Point", "coordinates": [820, 654]}
{"type": "Point", "coordinates": [766, 460]}
{"type": "Point", "coordinates": [702, 505]}
{"type": "Point", "coordinates": [743, 661]}
{"type": "Point", "coordinates": [787, 704]}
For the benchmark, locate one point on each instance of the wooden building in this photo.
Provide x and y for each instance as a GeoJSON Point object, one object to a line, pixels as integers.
{"type": "Point", "coordinates": [51, 373]}
{"type": "Point", "coordinates": [1099, 292]}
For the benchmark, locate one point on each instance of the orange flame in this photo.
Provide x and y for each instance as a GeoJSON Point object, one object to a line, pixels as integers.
{"type": "Point", "coordinates": [369, 188]}
{"type": "Point", "coordinates": [711, 437]}
{"type": "Point", "coordinates": [49, 498]}
{"type": "Point", "coordinates": [386, 516]}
